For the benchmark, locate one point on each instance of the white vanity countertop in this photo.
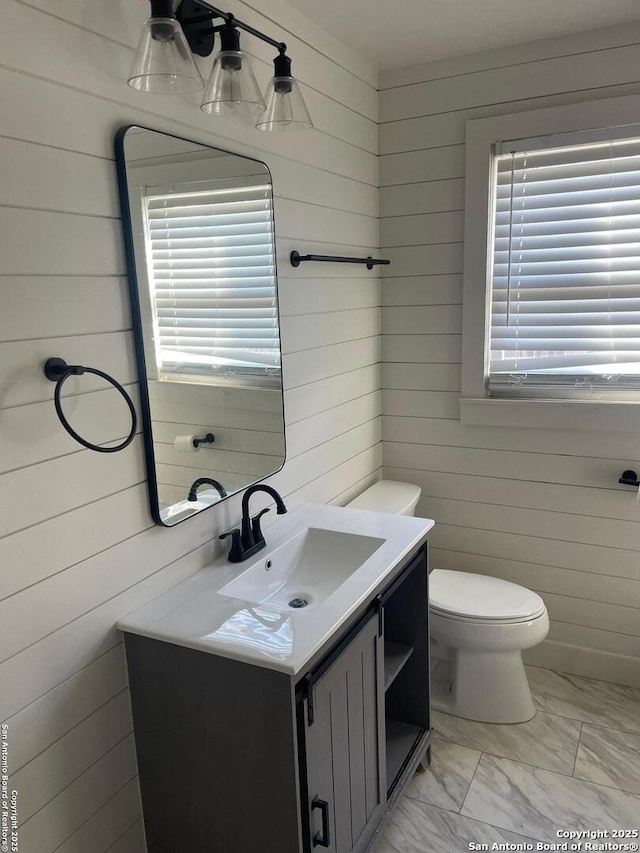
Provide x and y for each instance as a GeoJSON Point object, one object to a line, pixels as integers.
{"type": "Point", "coordinates": [194, 613]}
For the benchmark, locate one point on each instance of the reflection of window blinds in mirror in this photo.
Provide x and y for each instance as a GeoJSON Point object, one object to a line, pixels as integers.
{"type": "Point", "coordinates": [566, 267]}
{"type": "Point", "coordinates": [212, 276]}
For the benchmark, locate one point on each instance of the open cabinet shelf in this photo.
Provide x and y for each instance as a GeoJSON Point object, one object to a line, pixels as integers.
{"type": "Point", "coordinates": [406, 674]}
{"type": "Point", "coordinates": [401, 739]}
{"type": "Point", "coordinates": [395, 657]}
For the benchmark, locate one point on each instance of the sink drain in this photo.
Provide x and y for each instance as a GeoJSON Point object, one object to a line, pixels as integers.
{"type": "Point", "coordinates": [298, 602]}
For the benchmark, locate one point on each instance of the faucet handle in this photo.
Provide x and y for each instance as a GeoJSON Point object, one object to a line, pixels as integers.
{"type": "Point", "coordinates": [236, 554]}
{"type": "Point", "coordinates": [255, 526]}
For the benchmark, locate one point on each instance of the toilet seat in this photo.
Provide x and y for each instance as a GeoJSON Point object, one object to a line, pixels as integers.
{"type": "Point", "coordinates": [479, 599]}
{"type": "Point", "coordinates": [454, 617]}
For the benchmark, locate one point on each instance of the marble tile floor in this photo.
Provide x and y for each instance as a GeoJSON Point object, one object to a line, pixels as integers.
{"type": "Point", "coordinates": [576, 765]}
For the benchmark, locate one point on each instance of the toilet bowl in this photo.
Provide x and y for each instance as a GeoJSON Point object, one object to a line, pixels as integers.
{"type": "Point", "coordinates": [479, 628]}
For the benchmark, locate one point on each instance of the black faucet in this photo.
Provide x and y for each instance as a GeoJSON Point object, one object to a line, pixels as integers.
{"type": "Point", "coordinates": [193, 491]}
{"type": "Point", "coordinates": [248, 539]}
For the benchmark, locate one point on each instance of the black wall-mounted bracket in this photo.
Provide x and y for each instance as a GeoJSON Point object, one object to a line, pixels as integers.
{"type": "Point", "coordinates": [629, 478]}
{"type": "Point", "coordinates": [296, 259]}
{"type": "Point", "coordinates": [208, 439]}
{"type": "Point", "coordinates": [196, 19]}
{"type": "Point", "coordinates": [55, 369]}
{"type": "Point", "coordinates": [197, 26]}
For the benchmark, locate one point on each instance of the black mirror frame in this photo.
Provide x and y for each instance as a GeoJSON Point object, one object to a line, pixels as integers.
{"type": "Point", "coordinates": [136, 319]}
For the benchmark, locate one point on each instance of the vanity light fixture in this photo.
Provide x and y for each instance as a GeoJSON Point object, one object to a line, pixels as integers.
{"type": "Point", "coordinates": [232, 88]}
{"type": "Point", "coordinates": [285, 109]}
{"type": "Point", "coordinates": [164, 63]}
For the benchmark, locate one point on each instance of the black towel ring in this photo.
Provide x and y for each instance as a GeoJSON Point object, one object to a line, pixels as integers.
{"type": "Point", "coordinates": [58, 371]}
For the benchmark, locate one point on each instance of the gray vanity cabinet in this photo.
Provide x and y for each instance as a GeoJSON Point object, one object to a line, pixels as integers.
{"type": "Point", "coordinates": [239, 758]}
{"type": "Point", "coordinates": [344, 740]}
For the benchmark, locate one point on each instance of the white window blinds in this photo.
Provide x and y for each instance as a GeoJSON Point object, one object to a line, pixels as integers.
{"type": "Point", "coordinates": [211, 266]}
{"type": "Point", "coordinates": [565, 306]}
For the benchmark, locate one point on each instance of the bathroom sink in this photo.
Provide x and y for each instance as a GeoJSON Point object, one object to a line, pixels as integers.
{"type": "Point", "coordinates": [336, 559]}
{"type": "Point", "coordinates": [304, 571]}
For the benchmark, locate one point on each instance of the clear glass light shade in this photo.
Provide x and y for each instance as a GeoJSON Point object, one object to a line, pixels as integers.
{"type": "Point", "coordinates": [232, 89]}
{"type": "Point", "coordinates": [285, 107]}
{"type": "Point", "coordinates": [163, 63]}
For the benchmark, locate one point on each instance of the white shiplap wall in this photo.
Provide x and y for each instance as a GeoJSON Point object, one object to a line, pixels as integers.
{"type": "Point", "coordinates": [77, 546]}
{"type": "Point", "coordinates": [539, 507]}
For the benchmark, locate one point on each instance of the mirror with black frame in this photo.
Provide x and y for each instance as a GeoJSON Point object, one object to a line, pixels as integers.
{"type": "Point", "coordinates": [200, 244]}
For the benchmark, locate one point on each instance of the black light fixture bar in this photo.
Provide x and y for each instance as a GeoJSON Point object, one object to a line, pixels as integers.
{"type": "Point", "coordinates": [296, 259]}
{"type": "Point", "coordinates": [188, 14]}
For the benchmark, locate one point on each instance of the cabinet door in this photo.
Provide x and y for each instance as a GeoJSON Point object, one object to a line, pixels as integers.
{"type": "Point", "coordinates": [345, 746]}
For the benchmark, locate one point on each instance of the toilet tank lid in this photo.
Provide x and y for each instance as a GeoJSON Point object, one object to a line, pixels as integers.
{"type": "Point", "coordinates": [481, 597]}
{"type": "Point", "coordinates": [388, 496]}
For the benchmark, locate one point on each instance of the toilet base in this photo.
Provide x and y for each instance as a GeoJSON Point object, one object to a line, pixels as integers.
{"type": "Point", "coordinates": [487, 686]}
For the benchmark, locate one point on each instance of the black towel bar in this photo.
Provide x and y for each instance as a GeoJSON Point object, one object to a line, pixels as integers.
{"type": "Point", "coordinates": [296, 259]}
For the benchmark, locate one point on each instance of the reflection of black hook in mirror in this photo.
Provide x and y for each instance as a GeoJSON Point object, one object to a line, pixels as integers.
{"type": "Point", "coordinates": [57, 370]}
{"type": "Point", "coordinates": [629, 478]}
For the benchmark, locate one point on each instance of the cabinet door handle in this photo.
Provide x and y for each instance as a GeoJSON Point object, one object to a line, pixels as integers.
{"type": "Point", "coordinates": [380, 609]}
{"type": "Point", "coordinates": [321, 840]}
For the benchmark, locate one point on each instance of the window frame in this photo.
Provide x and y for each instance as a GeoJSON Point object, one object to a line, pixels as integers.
{"type": "Point", "coordinates": [476, 407]}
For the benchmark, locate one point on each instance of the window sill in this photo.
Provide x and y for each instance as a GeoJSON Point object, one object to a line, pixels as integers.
{"type": "Point", "coordinates": [246, 383]}
{"type": "Point", "coordinates": [551, 414]}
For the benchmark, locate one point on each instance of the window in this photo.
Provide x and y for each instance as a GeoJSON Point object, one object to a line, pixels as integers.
{"type": "Point", "coordinates": [211, 262]}
{"type": "Point", "coordinates": [565, 268]}
{"type": "Point", "coordinates": [551, 283]}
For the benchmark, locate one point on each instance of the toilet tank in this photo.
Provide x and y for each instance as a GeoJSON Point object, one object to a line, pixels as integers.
{"type": "Point", "coordinates": [389, 496]}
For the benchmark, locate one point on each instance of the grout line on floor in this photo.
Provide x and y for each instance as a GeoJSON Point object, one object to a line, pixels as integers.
{"type": "Point", "coordinates": [617, 726]}
{"type": "Point", "coordinates": [482, 752]}
{"type": "Point", "coordinates": [544, 770]}
{"type": "Point", "coordinates": [534, 835]}
{"type": "Point", "coordinates": [470, 782]}
{"type": "Point", "coordinates": [610, 786]}
{"type": "Point", "coordinates": [498, 827]}
{"type": "Point", "coordinates": [575, 760]}
{"type": "Point", "coordinates": [475, 770]}
{"type": "Point", "coordinates": [583, 688]}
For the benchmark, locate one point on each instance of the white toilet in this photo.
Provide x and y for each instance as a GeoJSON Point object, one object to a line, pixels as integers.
{"type": "Point", "coordinates": [479, 627]}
